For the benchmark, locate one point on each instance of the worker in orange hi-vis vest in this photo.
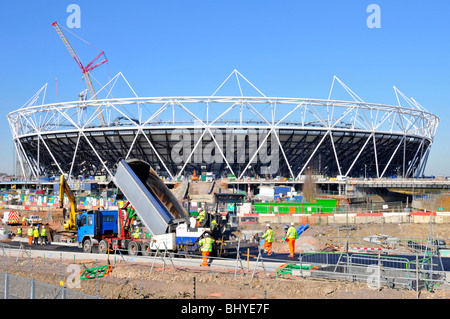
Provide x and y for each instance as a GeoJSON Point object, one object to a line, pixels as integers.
{"type": "Point", "coordinates": [30, 235]}
{"type": "Point", "coordinates": [268, 240]}
{"type": "Point", "coordinates": [291, 236]}
{"type": "Point", "coordinates": [206, 248]}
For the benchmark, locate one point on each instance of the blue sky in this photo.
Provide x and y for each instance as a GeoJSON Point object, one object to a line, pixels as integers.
{"type": "Point", "coordinates": [285, 48]}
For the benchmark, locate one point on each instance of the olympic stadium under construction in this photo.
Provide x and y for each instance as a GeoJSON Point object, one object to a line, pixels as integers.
{"type": "Point", "coordinates": [268, 146]}
{"type": "Point", "coordinates": [241, 135]}
{"type": "Point", "coordinates": [237, 134]}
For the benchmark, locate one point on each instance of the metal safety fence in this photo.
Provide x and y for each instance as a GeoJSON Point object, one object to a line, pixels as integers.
{"type": "Point", "coordinates": [18, 287]}
{"type": "Point", "coordinates": [414, 272]}
{"type": "Point", "coordinates": [13, 287]}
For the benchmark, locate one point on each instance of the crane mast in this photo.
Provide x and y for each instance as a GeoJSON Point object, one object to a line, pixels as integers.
{"type": "Point", "coordinates": [84, 69]}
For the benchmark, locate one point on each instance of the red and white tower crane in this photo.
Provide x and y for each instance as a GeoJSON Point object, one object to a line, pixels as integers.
{"type": "Point", "coordinates": [85, 69]}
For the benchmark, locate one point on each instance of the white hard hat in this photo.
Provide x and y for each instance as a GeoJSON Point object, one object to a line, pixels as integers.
{"type": "Point", "coordinates": [268, 225]}
{"type": "Point", "coordinates": [292, 224]}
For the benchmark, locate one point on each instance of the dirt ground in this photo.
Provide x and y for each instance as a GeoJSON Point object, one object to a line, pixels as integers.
{"type": "Point", "coordinates": [140, 281]}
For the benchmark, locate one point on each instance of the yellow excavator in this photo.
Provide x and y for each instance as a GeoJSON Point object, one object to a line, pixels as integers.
{"type": "Point", "coordinates": [64, 189]}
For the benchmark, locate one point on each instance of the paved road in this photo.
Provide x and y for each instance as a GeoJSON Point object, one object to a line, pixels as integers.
{"type": "Point", "coordinates": [71, 252]}
{"type": "Point", "coordinates": [51, 247]}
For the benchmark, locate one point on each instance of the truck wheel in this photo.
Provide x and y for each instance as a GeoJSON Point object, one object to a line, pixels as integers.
{"type": "Point", "coordinates": [133, 248]}
{"type": "Point", "coordinates": [103, 247]}
{"type": "Point", "coordinates": [146, 249]}
{"type": "Point", "coordinates": [87, 246]}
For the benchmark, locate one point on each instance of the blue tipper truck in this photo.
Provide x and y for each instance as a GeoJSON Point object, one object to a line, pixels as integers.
{"type": "Point", "coordinates": [94, 225]}
{"type": "Point", "coordinates": [150, 201]}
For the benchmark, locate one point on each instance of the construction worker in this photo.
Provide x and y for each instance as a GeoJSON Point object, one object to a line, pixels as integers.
{"type": "Point", "coordinates": [201, 216]}
{"type": "Point", "coordinates": [206, 248]}
{"type": "Point", "coordinates": [43, 235]}
{"type": "Point", "coordinates": [137, 233]}
{"type": "Point", "coordinates": [291, 236]}
{"type": "Point", "coordinates": [30, 235]}
{"type": "Point", "coordinates": [226, 229]}
{"type": "Point", "coordinates": [19, 231]}
{"type": "Point", "coordinates": [213, 224]}
{"type": "Point", "coordinates": [36, 235]}
{"type": "Point", "coordinates": [24, 221]}
{"type": "Point", "coordinates": [268, 240]}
